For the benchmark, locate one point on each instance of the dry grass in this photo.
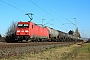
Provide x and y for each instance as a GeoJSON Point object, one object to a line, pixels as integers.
{"type": "Point", "coordinates": [79, 53]}
{"type": "Point", "coordinates": [83, 52]}
{"type": "Point", "coordinates": [73, 52]}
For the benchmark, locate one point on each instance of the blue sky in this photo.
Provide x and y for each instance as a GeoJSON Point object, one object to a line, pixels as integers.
{"type": "Point", "coordinates": [59, 9]}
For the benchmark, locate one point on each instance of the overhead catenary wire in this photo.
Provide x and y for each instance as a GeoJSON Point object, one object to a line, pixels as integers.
{"type": "Point", "coordinates": [16, 7]}
{"type": "Point", "coordinates": [25, 11]}
{"type": "Point", "coordinates": [25, 8]}
{"type": "Point", "coordinates": [42, 9]}
{"type": "Point", "coordinates": [49, 21]}
{"type": "Point", "coordinates": [12, 6]}
{"type": "Point", "coordinates": [70, 21]}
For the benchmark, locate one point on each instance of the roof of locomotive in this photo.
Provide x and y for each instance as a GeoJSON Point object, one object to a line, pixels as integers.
{"type": "Point", "coordinates": [30, 22]}
{"type": "Point", "coordinates": [24, 22]}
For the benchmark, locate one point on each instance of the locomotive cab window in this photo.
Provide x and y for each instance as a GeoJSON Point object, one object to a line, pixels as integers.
{"type": "Point", "coordinates": [20, 25]}
{"type": "Point", "coordinates": [26, 25]}
{"type": "Point", "coordinates": [23, 25]}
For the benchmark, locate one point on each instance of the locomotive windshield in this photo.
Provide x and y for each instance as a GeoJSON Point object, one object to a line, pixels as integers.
{"type": "Point", "coordinates": [23, 25]}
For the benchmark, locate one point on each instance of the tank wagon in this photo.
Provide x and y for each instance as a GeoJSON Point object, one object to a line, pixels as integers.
{"type": "Point", "coordinates": [61, 36]}
{"type": "Point", "coordinates": [30, 31]}
{"type": "Point", "coordinates": [66, 38]}
{"type": "Point", "coordinates": [53, 34]}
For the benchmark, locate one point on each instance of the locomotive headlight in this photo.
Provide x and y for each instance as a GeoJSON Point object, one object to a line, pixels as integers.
{"type": "Point", "coordinates": [18, 30]}
{"type": "Point", "coordinates": [26, 30]}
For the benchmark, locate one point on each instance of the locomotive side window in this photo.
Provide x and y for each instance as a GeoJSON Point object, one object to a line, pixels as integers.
{"type": "Point", "coordinates": [32, 26]}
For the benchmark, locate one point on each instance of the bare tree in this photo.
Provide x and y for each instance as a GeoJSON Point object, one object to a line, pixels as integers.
{"type": "Point", "coordinates": [88, 40]}
{"type": "Point", "coordinates": [0, 36]}
{"type": "Point", "coordinates": [77, 34]}
{"type": "Point", "coordinates": [10, 34]}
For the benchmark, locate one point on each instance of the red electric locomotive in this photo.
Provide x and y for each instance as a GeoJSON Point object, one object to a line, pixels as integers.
{"type": "Point", "coordinates": [30, 31]}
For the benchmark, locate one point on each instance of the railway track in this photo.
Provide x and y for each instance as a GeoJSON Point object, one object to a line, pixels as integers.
{"type": "Point", "coordinates": [15, 49]}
